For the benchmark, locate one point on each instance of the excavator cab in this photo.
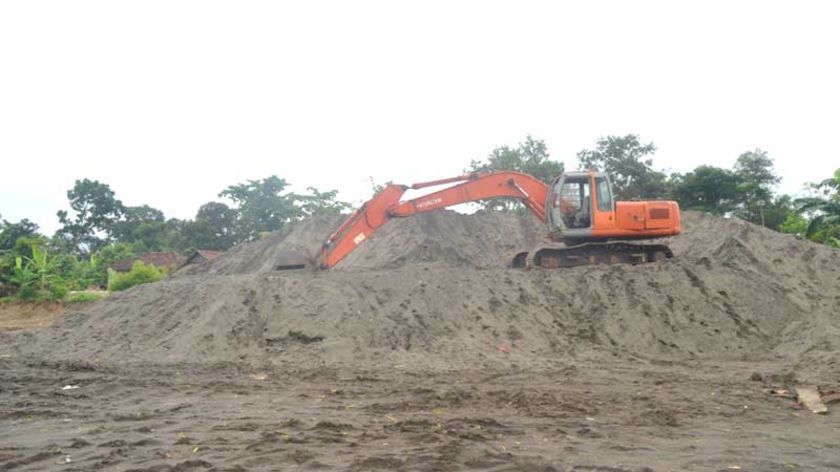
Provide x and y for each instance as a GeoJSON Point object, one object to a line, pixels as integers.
{"type": "Point", "coordinates": [579, 201]}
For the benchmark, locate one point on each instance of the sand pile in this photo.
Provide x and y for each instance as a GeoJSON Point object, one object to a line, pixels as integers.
{"type": "Point", "coordinates": [434, 292]}
{"type": "Point", "coordinates": [481, 240]}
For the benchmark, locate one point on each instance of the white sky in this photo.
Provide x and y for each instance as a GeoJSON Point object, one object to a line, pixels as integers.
{"type": "Point", "coordinates": [170, 102]}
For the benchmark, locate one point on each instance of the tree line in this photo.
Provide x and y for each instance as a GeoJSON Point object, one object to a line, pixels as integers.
{"type": "Point", "coordinates": [745, 190]}
{"type": "Point", "coordinates": [100, 229]}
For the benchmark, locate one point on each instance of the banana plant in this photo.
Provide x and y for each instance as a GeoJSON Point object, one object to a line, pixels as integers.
{"type": "Point", "coordinates": [824, 209]}
{"type": "Point", "coordinates": [23, 275]}
{"type": "Point", "coordinates": [38, 271]}
{"type": "Point", "coordinates": [826, 213]}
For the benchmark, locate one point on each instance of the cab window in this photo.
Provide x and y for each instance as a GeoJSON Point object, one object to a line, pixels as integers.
{"type": "Point", "coordinates": [603, 194]}
{"type": "Point", "coordinates": [573, 202]}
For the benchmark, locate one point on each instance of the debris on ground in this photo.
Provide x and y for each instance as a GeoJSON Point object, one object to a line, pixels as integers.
{"type": "Point", "coordinates": [809, 397]}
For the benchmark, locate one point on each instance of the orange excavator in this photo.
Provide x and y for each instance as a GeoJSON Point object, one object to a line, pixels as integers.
{"type": "Point", "coordinates": [578, 208]}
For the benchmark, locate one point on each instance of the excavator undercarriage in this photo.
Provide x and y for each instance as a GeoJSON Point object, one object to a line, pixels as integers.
{"type": "Point", "coordinates": [613, 252]}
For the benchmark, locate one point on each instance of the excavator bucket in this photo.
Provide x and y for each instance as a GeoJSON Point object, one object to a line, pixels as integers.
{"type": "Point", "coordinates": [293, 260]}
{"type": "Point", "coordinates": [520, 260]}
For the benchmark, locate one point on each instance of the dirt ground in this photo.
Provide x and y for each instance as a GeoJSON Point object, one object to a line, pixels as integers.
{"type": "Point", "coordinates": [423, 352]}
{"type": "Point", "coordinates": [14, 316]}
{"type": "Point", "coordinates": [629, 415]}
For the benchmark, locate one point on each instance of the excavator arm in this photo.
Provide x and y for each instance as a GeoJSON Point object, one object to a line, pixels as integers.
{"type": "Point", "coordinates": [469, 188]}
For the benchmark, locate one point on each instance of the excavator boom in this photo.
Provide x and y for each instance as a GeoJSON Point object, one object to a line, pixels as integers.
{"type": "Point", "coordinates": [387, 204]}
{"type": "Point", "coordinates": [577, 208]}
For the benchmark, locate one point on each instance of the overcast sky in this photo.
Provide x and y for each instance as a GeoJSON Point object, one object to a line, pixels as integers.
{"type": "Point", "coordinates": [170, 102]}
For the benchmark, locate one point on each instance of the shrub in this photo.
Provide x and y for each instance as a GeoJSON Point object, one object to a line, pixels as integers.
{"type": "Point", "coordinates": [28, 292]}
{"type": "Point", "coordinates": [140, 273]}
{"type": "Point", "coordinates": [83, 297]}
{"type": "Point", "coordinates": [58, 292]}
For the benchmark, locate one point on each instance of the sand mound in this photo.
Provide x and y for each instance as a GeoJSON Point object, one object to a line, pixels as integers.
{"type": "Point", "coordinates": [261, 256]}
{"type": "Point", "coordinates": [434, 292]}
{"type": "Point", "coordinates": [480, 240]}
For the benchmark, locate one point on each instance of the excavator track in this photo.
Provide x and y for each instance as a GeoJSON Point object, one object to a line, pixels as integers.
{"type": "Point", "coordinates": [592, 253]}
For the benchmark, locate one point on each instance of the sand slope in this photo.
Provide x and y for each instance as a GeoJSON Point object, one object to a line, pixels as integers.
{"type": "Point", "coordinates": [434, 292]}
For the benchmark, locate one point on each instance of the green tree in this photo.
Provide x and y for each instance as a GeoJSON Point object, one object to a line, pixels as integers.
{"type": "Point", "coordinates": [529, 157]}
{"type": "Point", "coordinates": [625, 159]}
{"type": "Point", "coordinates": [214, 227]}
{"type": "Point", "coordinates": [794, 224]}
{"type": "Point", "coordinates": [823, 211]}
{"type": "Point", "coordinates": [11, 232]}
{"type": "Point", "coordinates": [707, 188]}
{"type": "Point", "coordinates": [755, 169]}
{"type": "Point", "coordinates": [261, 206]}
{"type": "Point", "coordinates": [145, 227]}
{"type": "Point", "coordinates": [320, 203]}
{"type": "Point", "coordinates": [778, 211]}
{"type": "Point", "coordinates": [112, 253]}
{"type": "Point", "coordinates": [830, 187]}
{"type": "Point", "coordinates": [96, 210]}
{"type": "Point", "coordinates": [176, 235]}
{"type": "Point", "coordinates": [126, 229]}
